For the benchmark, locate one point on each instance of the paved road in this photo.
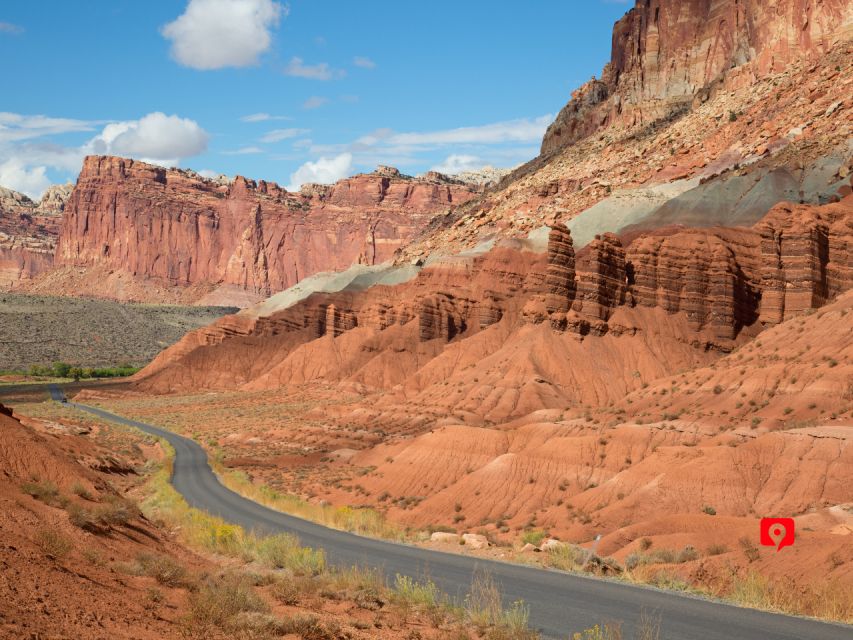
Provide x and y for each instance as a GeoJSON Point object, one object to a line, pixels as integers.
{"type": "Point", "coordinates": [560, 603]}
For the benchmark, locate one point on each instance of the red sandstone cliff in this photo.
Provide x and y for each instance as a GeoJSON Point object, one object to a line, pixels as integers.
{"type": "Point", "coordinates": [28, 232]}
{"type": "Point", "coordinates": [668, 53]}
{"type": "Point", "coordinates": [175, 227]}
{"type": "Point", "coordinates": [680, 295]}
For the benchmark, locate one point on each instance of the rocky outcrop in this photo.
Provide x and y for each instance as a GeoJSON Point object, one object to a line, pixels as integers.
{"type": "Point", "coordinates": [179, 228]}
{"type": "Point", "coordinates": [806, 258]}
{"type": "Point", "coordinates": [602, 279]}
{"type": "Point", "coordinates": [669, 54]}
{"type": "Point", "coordinates": [710, 289]}
{"type": "Point", "coordinates": [28, 232]}
{"type": "Point", "coordinates": [560, 278]}
{"type": "Point", "coordinates": [709, 275]}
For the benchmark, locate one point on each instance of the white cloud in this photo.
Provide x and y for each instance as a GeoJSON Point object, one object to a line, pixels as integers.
{"type": "Point", "coordinates": [212, 34]}
{"type": "Point", "coordinates": [314, 102]}
{"type": "Point", "coordinates": [155, 137]}
{"type": "Point", "coordinates": [14, 175]}
{"type": "Point", "coordinates": [323, 171]}
{"type": "Point", "coordinates": [456, 163]}
{"type": "Point", "coordinates": [320, 71]}
{"type": "Point", "coordinates": [521, 130]}
{"type": "Point", "coordinates": [277, 135]}
{"type": "Point", "coordinates": [263, 117]}
{"type": "Point", "coordinates": [8, 27]}
{"type": "Point", "coordinates": [363, 62]}
{"type": "Point", "coordinates": [15, 126]}
{"type": "Point", "coordinates": [243, 151]}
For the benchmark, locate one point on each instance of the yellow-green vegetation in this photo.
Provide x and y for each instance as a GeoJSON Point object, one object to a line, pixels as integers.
{"type": "Point", "coordinates": [304, 573]}
{"type": "Point", "coordinates": [363, 521]}
{"type": "Point", "coordinates": [828, 599]}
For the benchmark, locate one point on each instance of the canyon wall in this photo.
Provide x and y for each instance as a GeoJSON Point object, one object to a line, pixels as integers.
{"type": "Point", "coordinates": [28, 232]}
{"type": "Point", "coordinates": [181, 229]}
{"type": "Point", "coordinates": [666, 54]}
{"type": "Point", "coordinates": [705, 290]}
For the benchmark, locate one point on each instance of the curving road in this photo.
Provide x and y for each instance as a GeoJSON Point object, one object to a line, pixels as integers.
{"type": "Point", "coordinates": [560, 603]}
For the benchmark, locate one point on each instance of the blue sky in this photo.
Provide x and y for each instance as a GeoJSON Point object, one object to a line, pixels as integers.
{"type": "Point", "coordinates": [309, 90]}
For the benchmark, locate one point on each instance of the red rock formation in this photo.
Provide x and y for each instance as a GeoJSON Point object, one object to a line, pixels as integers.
{"type": "Point", "coordinates": [666, 53]}
{"type": "Point", "coordinates": [28, 233]}
{"type": "Point", "coordinates": [715, 284]}
{"type": "Point", "coordinates": [602, 279]}
{"type": "Point", "coordinates": [177, 227]}
{"type": "Point", "coordinates": [560, 279]}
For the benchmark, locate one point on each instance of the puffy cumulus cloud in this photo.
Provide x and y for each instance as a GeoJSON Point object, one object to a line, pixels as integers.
{"type": "Point", "coordinates": [156, 138]}
{"type": "Point", "coordinates": [320, 71]}
{"type": "Point", "coordinates": [323, 171]}
{"type": "Point", "coordinates": [212, 34]}
{"type": "Point", "coordinates": [32, 182]}
{"type": "Point", "coordinates": [459, 162]}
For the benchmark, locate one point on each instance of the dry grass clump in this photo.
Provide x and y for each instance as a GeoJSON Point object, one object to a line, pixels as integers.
{"type": "Point", "coordinates": [53, 543]}
{"type": "Point", "coordinates": [830, 600]}
{"type": "Point", "coordinates": [116, 511]}
{"type": "Point", "coordinates": [164, 569]}
{"type": "Point", "coordinates": [283, 551]}
{"type": "Point", "coordinates": [45, 491]}
{"type": "Point", "coordinates": [217, 603]}
{"type": "Point", "coordinates": [363, 521]}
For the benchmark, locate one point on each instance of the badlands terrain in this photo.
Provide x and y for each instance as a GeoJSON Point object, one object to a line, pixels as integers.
{"type": "Point", "coordinates": [638, 344]}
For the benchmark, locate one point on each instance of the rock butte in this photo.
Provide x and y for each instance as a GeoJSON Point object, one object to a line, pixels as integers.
{"type": "Point", "coordinates": [160, 228]}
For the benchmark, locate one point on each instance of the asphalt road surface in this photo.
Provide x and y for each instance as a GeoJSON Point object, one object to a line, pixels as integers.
{"type": "Point", "coordinates": [560, 603]}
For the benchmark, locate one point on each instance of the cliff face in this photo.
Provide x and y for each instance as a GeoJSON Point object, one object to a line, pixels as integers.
{"type": "Point", "coordinates": [666, 54]}
{"type": "Point", "coordinates": [28, 232]}
{"type": "Point", "coordinates": [181, 229]}
{"type": "Point", "coordinates": [707, 289]}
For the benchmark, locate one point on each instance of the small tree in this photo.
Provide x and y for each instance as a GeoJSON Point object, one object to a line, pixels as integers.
{"type": "Point", "coordinates": [76, 373]}
{"type": "Point", "coordinates": [61, 369]}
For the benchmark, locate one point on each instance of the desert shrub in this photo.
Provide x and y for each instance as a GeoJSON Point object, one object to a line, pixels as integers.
{"type": "Point", "coordinates": [221, 598]}
{"type": "Point", "coordinates": [255, 625]}
{"type": "Point", "coordinates": [163, 569]}
{"type": "Point", "coordinates": [645, 544]}
{"type": "Point", "coordinates": [749, 549]}
{"type": "Point", "coordinates": [78, 489]}
{"type": "Point", "coordinates": [53, 543]}
{"type": "Point", "coordinates": [286, 591]}
{"type": "Point", "coordinates": [82, 518]}
{"type": "Point", "coordinates": [716, 549]}
{"type": "Point", "coordinates": [483, 607]}
{"type": "Point", "coordinates": [648, 626]}
{"type": "Point", "coordinates": [711, 511]}
{"type": "Point", "coordinates": [563, 557]}
{"type": "Point", "coordinates": [718, 389]}
{"type": "Point", "coordinates": [422, 594]}
{"type": "Point", "coordinates": [283, 551]}
{"type": "Point", "coordinates": [826, 599]}
{"type": "Point", "coordinates": [116, 511]}
{"type": "Point", "coordinates": [604, 631]}
{"type": "Point", "coordinates": [534, 537]}
{"type": "Point", "coordinates": [687, 554]}
{"type": "Point", "coordinates": [44, 491]}
{"type": "Point", "coordinates": [308, 627]}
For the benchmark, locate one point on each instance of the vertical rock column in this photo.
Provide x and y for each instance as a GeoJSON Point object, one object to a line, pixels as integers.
{"type": "Point", "coordinates": [602, 279]}
{"type": "Point", "coordinates": [560, 277]}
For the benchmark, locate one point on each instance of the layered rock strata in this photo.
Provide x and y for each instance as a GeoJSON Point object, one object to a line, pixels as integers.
{"type": "Point", "coordinates": [182, 229]}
